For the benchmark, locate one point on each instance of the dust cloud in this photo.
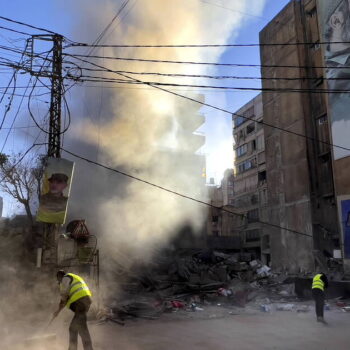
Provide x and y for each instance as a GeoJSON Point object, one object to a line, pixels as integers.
{"type": "Point", "coordinates": [141, 130]}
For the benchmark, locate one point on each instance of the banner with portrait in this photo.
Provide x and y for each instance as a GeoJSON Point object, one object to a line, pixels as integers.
{"type": "Point", "coordinates": [55, 191]}
{"type": "Point", "coordinates": [334, 19]}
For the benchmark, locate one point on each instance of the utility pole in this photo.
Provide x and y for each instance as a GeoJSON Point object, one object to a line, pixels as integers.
{"type": "Point", "coordinates": [49, 249]}
{"type": "Point", "coordinates": [54, 148]}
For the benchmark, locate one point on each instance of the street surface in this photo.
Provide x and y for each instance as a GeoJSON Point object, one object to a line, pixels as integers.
{"type": "Point", "coordinates": [280, 330]}
{"type": "Point", "coordinates": [216, 328]}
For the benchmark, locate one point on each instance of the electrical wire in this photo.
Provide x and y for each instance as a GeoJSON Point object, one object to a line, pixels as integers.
{"type": "Point", "coordinates": [15, 117]}
{"type": "Point", "coordinates": [22, 157]}
{"type": "Point", "coordinates": [27, 25]}
{"type": "Point", "coordinates": [30, 95]}
{"type": "Point", "coordinates": [208, 45]}
{"type": "Point", "coordinates": [217, 77]}
{"type": "Point", "coordinates": [177, 193]}
{"type": "Point", "coordinates": [14, 31]}
{"type": "Point", "coordinates": [222, 109]}
{"type": "Point", "coordinates": [280, 90]}
{"type": "Point", "coordinates": [201, 63]}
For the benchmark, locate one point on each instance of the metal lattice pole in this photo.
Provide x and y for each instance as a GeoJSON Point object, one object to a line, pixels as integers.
{"type": "Point", "coordinates": [54, 147]}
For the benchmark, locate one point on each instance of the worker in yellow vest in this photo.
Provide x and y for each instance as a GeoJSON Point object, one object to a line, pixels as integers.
{"type": "Point", "coordinates": [319, 284]}
{"type": "Point", "coordinates": [75, 295]}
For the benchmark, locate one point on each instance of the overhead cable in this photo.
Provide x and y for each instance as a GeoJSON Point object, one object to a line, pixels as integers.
{"type": "Point", "coordinates": [178, 193]}
{"type": "Point", "coordinates": [219, 108]}
{"type": "Point", "coordinates": [206, 45]}
{"type": "Point", "coordinates": [201, 63]}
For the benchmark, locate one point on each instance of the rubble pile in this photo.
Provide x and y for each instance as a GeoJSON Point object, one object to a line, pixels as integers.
{"type": "Point", "coordinates": [192, 281]}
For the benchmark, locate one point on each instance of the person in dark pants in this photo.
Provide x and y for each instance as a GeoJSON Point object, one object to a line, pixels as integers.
{"type": "Point", "coordinates": [319, 284]}
{"type": "Point", "coordinates": [75, 294]}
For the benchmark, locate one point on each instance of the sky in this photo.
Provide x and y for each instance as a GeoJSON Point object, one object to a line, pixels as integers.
{"type": "Point", "coordinates": [60, 16]}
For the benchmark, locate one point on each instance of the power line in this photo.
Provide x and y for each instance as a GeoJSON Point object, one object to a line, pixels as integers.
{"type": "Point", "coordinates": [21, 127]}
{"type": "Point", "coordinates": [22, 157]}
{"type": "Point", "coordinates": [203, 63]}
{"type": "Point", "coordinates": [14, 31]}
{"type": "Point", "coordinates": [237, 11]}
{"type": "Point", "coordinates": [26, 25]}
{"type": "Point", "coordinates": [15, 117]}
{"type": "Point", "coordinates": [206, 45]}
{"type": "Point", "coordinates": [217, 77]}
{"type": "Point", "coordinates": [221, 109]}
{"type": "Point", "coordinates": [176, 193]}
{"type": "Point", "coordinates": [154, 83]}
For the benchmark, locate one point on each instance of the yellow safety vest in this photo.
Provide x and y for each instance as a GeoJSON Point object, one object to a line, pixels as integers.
{"type": "Point", "coordinates": [78, 289]}
{"type": "Point", "coordinates": [317, 282]}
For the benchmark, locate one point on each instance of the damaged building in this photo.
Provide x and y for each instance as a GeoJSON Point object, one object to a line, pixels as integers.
{"type": "Point", "coordinates": [304, 176]}
{"type": "Point", "coordinates": [250, 190]}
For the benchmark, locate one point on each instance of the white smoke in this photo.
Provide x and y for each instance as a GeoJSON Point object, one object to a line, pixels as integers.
{"type": "Point", "coordinates": [141, 127]}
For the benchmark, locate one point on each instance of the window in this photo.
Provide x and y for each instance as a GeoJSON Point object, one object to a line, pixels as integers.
{"type": "Point", "coordinates": [240, 151]}
{"type": "Point", "coordinates": [253, 145]}
{"type": "Point", "coordinates": [262, 176]}
{"type": "Point", "coordinates": [246, 165]}
{"type": "Point", "coordinates": [252, 235]}
{"type": "Point", "coordinates": [253, 215]}
{"type": "Point", "coordinates": [239, 121]}
{"type": "Point", "coordinates": [250, 128]}
{"type": "Point", "coordinates": [215, 218]}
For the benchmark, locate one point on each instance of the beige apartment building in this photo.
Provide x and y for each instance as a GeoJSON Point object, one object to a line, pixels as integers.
{"type": "Point", "coordinates": [250, 186]}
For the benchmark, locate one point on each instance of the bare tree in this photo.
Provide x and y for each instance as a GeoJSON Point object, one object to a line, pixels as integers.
{"type": "Point", "coordinates": [20, 178]}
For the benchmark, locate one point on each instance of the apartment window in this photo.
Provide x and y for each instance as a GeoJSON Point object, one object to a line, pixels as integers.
{"type": "Point", "coordinates": [246, 165]}
{"type": "Point", "coordinates": [253, 145]}
{"type": "Point", "coordinates": [250, 128]}
{"type": "Point", "coordinates": [240, 151]}
{"type": "Point", "coordinates": [262, 176]}
{"type": "Point", "coordinates": [249, 113]}
{"type": "Point", "coordinates": [239, 121]}
{"type": "Point", "coordinates": [215, 218]}
{"type": "Point", "coordinates": [253, 215]}
{"type": "Point", "coordinates": [252, 235]}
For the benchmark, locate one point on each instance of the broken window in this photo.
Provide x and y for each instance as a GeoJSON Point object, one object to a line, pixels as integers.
{"type": "Point", "coordinates": [250, 128]}
{"type": "Point", "coordinates": [262, 176]}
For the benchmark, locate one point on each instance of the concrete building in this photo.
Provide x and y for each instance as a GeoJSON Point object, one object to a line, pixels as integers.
{"type": "Point", "coordinates": [303, 179]}
{"type": "Point", "coordinates": [222, 226]}
{"type": "Point", "coordinates": [250, 187]}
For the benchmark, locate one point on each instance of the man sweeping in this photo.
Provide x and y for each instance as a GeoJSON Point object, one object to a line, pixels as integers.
{"type": "Point", "coordinates": [319, 283]}
{"type": "Point", "coordinates": [75, 294]}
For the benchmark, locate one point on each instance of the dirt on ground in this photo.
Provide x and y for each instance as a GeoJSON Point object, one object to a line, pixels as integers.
{"type": "Point", "coordinates": [216, 327]}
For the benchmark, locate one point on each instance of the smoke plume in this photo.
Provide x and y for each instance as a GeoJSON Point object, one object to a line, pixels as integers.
{"type": "Point", "coordinates": [144, 131]}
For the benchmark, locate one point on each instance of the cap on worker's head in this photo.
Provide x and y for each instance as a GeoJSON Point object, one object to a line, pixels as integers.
{"type": "Point", "coordinates": [58, 177]}
{"type": "Point", "coordinates": [60, 273]}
